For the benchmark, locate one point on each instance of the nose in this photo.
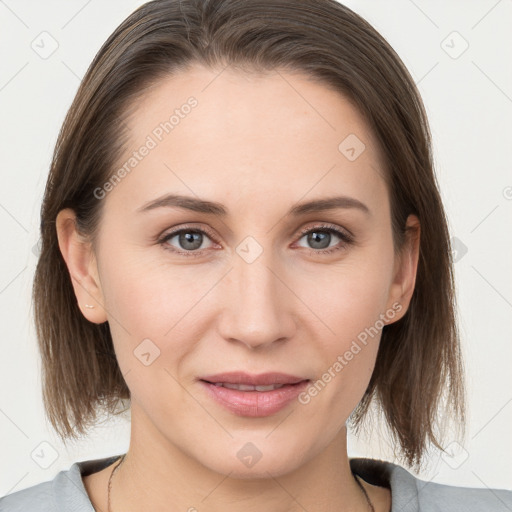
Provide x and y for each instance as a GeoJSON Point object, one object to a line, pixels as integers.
{"type": "Point", "coordinates": [256, 307]}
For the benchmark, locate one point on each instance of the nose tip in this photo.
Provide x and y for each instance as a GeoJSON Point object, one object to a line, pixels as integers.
{"type": "Point", "coordinates": [256, 341]}
{"type": "Point", "coordinates": [256, 312]}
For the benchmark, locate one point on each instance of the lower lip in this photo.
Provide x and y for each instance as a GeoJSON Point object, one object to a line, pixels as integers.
{"type": "Point", "coordinates": [254, 403]}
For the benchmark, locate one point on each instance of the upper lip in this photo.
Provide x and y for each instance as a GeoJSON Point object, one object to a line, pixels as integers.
{"type": "Point", "coordinates": [263, 379]}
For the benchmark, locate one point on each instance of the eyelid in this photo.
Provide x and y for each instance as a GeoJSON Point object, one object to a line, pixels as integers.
{"type": "Point", "coordinates": [187, 227]}
{"type": "Point", "coordinates": [327, 226]}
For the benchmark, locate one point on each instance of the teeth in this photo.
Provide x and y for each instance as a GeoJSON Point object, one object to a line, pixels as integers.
{"type": "Point", "coordinates": [269, 388]}
{"type": "Point", "coordinates": [247, 387]}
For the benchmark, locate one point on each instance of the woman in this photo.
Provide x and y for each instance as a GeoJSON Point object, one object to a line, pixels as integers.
{"type": "Point", "coordinates": [243, 239]}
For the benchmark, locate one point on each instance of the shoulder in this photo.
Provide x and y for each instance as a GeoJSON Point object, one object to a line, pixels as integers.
{"type": "Point", "coordinates": [65, 493]}
{"type": "Point", "coordinates": [412, 494]}
{"type": "Point", "coordinates": [434, 496]}
{"type": "Point", "coordinates": [36, 498]}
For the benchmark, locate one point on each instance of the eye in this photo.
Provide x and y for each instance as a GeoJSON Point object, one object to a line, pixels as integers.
{"type": "Point", "coordinates": [188, 239]}
{"type": "Point", "coordinates": [320, 237]}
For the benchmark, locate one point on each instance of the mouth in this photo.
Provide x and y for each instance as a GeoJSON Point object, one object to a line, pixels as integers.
{"type": "Point", "coordinates": [255, 380]}
{"type": "Point", "coordinates": [247, 387]}
{"type": "Point", "coordinates": [253, 395]}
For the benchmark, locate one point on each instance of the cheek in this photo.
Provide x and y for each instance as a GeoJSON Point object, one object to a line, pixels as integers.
{"type": "Point", "coordinates": [145, 293]}
{"type": "Point", "coordinates": [144, 302]}
{"type": "Point", "coordinates": [150, 330]}
{"type": "Point", "coordinates": [346, 357]}
{"type": "Point", "coordinates": [353, 297]}
{"type": "Point", "coordinates": [353, 316]}
{"type": "Point", "coordinates": [352, 302]}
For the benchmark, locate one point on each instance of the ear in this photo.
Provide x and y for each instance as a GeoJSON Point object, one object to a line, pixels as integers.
{"type": "Point", "coordinates": [81, 262]}
{"type": "Point", "coordinates": [406, 265]}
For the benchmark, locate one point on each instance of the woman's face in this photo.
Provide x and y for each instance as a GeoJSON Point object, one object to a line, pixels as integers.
{"type": "Point", "coordinates": [246, 290]}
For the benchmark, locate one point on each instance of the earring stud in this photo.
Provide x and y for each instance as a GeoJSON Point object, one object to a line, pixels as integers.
{"type": "Point", "coordinates": [88, 306]}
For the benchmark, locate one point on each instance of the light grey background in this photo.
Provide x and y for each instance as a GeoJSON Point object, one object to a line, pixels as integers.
{"type": "Point", "coordinates": [468, 95]}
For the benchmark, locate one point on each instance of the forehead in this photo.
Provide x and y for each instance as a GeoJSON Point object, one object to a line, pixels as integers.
{"type": "Point", "coordinates": [217, 132]}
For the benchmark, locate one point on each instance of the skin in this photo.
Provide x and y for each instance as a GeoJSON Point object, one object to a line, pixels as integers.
{"type": "Point", "coordinates": [258, 144]}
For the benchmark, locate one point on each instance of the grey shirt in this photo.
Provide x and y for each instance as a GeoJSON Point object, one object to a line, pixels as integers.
{"type": "Point", "coordinates": [66, 492]}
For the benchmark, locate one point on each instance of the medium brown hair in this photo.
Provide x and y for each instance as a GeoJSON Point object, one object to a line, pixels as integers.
{"type": "Point", "coordinates": [419, 366]}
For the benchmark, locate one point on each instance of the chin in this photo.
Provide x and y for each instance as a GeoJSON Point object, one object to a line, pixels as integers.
{"type": "Point", "coordinates": [249, 462]}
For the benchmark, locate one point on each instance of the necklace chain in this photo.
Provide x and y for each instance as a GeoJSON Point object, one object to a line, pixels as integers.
{"type": "Point", "coordinates": [370, 504]}
{"type": "Point", "coordinates": [110, 479]}
{"type": "Point", "coordinates": [123, 456]}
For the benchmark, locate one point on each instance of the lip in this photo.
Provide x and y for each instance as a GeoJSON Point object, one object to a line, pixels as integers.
{"type": "Point", "coordinates": [254, 403]}
{"type": "Point", "coordinates": [263, 379]}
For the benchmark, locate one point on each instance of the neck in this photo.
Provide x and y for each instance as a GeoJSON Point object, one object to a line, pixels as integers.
{"type": "Point", "coordinates": [157, 475]}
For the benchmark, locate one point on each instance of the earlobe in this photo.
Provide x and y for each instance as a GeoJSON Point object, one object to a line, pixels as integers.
{"type": "Point", "coordinates": [81, 263]}
{"type": "Point", "coordinates": [406, 267]}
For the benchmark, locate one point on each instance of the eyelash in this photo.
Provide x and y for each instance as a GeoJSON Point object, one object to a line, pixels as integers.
{"type": "Point", "coordinates": [346, 238]}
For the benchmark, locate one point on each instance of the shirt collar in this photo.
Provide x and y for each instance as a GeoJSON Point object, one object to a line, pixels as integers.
{"type": "Point", "coordinates": [70, 495]}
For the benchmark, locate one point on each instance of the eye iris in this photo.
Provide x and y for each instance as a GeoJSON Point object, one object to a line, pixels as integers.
{"type": "Point", "coordinates": [322, 236]}
{"type": "Point", "coordinates": [190, 237]}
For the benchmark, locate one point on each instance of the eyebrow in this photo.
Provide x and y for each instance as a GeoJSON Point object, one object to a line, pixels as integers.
{"type": "Point", "coordinates": [214, 208]}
